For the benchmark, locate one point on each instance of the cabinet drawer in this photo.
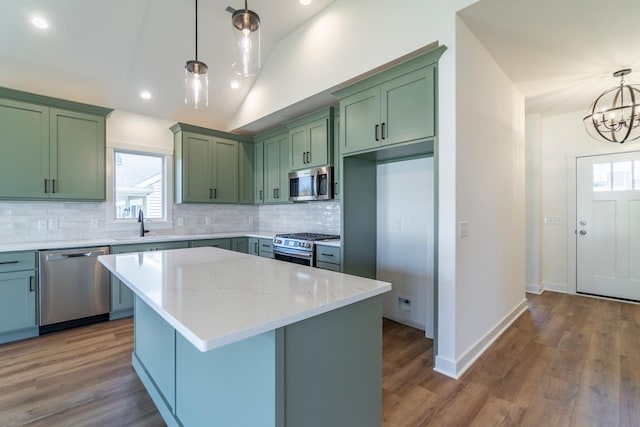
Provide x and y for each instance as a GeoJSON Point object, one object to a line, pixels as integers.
{"type": "Point", "coordinates": [329, 254]}
{"type": "Point", "coordinates": [17, 261]}
{"type": "Point", "coordinates": [328, 266]}
{"type": "Point", "coordinates": [214, 243]}
{"type": "Point", "coordinates": [265, 248]}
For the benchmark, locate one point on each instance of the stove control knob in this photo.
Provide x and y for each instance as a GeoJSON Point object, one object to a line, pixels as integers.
{"type": "Point", "coordinates": [308, 245]}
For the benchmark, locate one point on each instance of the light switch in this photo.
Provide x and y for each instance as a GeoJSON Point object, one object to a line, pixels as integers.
{"type": "Point", "coordinates": [555, 220]}
{"type": "Point", "coordinates": [463, 229]}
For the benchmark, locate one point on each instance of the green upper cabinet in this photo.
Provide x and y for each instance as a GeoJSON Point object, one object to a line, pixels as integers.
{"type": "Point", "coordinates": [49, 151]}
{"type": "Point", "coordinates": [246, 180]}
{"type": "Point", "coordinates": [212, 166]}
{"type": "Point", "coordinates": [77, 155]}
{"type": "Point", "coordinates": [311, 139]}
{"type": "Point", "coordinates": [337, 160]}
{"type": "Point", "coordinates": [24, 158]}
{"type": "Point", "coordinates": [393, 107]}
{"type": "Point", "coordinates": [258, 172]}
{"type": "Point", "coordinates": [272, 157]}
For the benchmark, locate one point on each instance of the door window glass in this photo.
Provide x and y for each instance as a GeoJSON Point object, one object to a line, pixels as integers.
{"type": "Point", "coordinates": [622, 176]}
{"type": "Point", "coordinates": [602, 177]}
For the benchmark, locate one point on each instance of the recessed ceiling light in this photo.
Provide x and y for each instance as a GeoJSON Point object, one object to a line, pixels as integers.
{"type": "Point", "coordinates": [145, 94]}
{"type": "Point", "coordinates": [304, 2]}
{"type": "Point", "coordinates": [40, 22]}
{"type": "Point", "coordinates": [234, 84]}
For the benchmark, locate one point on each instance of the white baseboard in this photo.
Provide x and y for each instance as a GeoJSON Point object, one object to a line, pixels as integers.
{"type": "Point", "coordinates": [535, 289]}
{"type": "Point", "coordinates": [455, 369]}
{"type": "Point", "coordinates": [555, 287]}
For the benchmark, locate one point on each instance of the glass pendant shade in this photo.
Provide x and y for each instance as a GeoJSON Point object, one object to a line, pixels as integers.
{"type": "Point", "coordinates": [246, 42]}
{"type": "Point", "coordinates": [615, 115]}
{"type": "Point", "coordinates": [196, 84]}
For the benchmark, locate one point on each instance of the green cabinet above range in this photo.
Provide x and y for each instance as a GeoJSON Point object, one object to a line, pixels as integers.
{"type": "Point", "coordinates": [211, 166]}
{"type": "Point", "coordinates": [51, 149]}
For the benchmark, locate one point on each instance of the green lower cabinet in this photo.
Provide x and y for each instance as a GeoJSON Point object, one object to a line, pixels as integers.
{"type": "Point", "coordinates": [18, 305]}
{"type": "Point", "coordinates": [265, 248]}
{"type": "Point", "coordinates": [254, 246]}
{"type": "Point", "coordinates": [328, 257]}
{"type": "Point", "coordinates": [214, 243]}
{"type": "Point", "coordinates": [240, 244]}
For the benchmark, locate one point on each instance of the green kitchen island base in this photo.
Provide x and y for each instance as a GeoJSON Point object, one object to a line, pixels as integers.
{"type": "Point", "coordinates": [323, 371]}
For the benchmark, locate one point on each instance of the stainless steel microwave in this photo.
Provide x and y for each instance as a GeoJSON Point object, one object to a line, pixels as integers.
{"type": "Point", "coordinates": [311, 184]}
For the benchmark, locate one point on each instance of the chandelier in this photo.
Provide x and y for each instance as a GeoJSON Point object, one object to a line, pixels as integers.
{"type": "Point", "coordinates": [615, 115]}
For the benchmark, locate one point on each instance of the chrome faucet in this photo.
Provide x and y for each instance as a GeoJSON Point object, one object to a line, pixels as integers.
{"type": "Point", "coordinates": [141, 221]}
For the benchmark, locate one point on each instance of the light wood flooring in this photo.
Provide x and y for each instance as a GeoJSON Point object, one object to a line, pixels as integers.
{"type": "Point", "coordinates": [568, 361]}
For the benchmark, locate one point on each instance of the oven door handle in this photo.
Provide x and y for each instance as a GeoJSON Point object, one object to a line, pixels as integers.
{"type": "Point", "coordinates": [294, 253]}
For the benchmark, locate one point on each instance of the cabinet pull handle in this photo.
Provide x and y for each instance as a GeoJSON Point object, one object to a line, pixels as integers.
{"type": "Point", "coordinates": [377, 129]}
{"type": "Point", "coordinates": [31, 287]}
{"type": "Point", "coordinates": [304, 157]}
{"type": "Point", "coordinates": [215, 193]}
{"type": "Point", "coordinates": [256, 247]}
{"type": "Point", "coordinates": [326, 254]}
{"type": "Point", "coordinates": [46, 189]}
{"type": "Point", "coordinates": [277, 193]}
{"type": "Point", "coordinates": [335, 188]}
{"type": "Point", "coordinates": [308, 156]}
{"type": "Point", "coordinates": [260, 195]}
{"type": "Point", "coordinates": [211, 193]}
{"type": "Point", "coordinates": [383, 124]}
{"type": "Point", "coordinates": [8, 262]}
{"type": "Point", "coordinates": [53, 186]}
{"type": "Point", "coordinates": [274, 193]}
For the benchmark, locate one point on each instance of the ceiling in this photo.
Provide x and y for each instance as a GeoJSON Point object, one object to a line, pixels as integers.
{"type": "Point", "coordinates": [560, 54]}
{"type": "Point", "coordinates": [107, 52]}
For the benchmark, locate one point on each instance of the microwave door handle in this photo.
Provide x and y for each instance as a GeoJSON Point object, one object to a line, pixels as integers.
{"type": "Point", "coordinates": [316, 185]}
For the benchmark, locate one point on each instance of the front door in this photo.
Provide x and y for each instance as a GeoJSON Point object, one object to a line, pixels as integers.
{"type": "Point", "coordinates": [608, 225]}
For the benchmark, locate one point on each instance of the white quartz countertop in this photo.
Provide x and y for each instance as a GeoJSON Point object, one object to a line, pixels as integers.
{"type": "Point", "coordinates": [215, 297]}
{"type": "Point", "coordinates": [126, 240]}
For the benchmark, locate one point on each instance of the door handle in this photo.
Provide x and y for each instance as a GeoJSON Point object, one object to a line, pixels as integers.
{"type": "Point", "coordinates": [583, 232]}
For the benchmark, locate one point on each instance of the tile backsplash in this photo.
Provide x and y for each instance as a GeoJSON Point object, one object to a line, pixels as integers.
{"type": "Point", "coordinates": [59, 221]}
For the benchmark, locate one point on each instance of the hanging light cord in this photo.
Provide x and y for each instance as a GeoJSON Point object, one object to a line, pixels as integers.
{"type": "Point", "coordinates": [196, 30]}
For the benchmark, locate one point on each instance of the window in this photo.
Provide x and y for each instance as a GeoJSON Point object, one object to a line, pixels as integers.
{"type": "Point", "coordinates": [139, 184]}
{"type": "Point", "coordinates": [616, 176]}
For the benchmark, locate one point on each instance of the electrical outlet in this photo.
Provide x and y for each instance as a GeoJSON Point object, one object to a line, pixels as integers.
{"type": "Point", "coordinates": [42, 224]}
{"type": "Point", "coordinates": [463, 229]}
{"type": "Point", "coordinates": [207, 220]}
{"type": "Point", "coordinates": [180, 220]}
{"type": "Point", "coordinates": [404, 304]}
{"type": "Point", "coordinates": [53, 223]}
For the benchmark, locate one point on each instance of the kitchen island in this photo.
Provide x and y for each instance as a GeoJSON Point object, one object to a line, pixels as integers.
{"type": "Point", "coordinates": [228, 339]}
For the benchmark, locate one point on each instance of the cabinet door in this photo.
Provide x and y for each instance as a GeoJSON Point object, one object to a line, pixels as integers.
{"type": "Point", "coordinates": [272, 169]}
{"type": "Point", "coordinates": [337, 160]}
{"type": "Point", "coordinates": [318, 154]}
{"type": "Point", "coordinates": [197, 157]}
{"type": "Point", "coordinates": [17, 300]}
{"type": "Point", "coordinates": [299, 147]}
{"type": "Point", "coordinates": [121, 296]}
{"type": "Point", "coordinates": [77, 155]}
{"type": "Point", "coordinates": [214, 243]}
{"type": "Point", "coordinates": [408, 107]}
{"type": "Point", "coordinates": [360, 119]}
{"type": "Point", "coordinates": [225, 171]}
{"type": "Point", "coordinates": [254, 246]}
{"type": "Point", "coordinates": [283, 187]}
{"type": "Point", "coordinates": [245, 173]}
{"type": "Point", "coordinates": [24, 151]}
{"type": "Point", "coordinates": [258, 173]}
{"type": "Point", "coordinates": [240, 244]}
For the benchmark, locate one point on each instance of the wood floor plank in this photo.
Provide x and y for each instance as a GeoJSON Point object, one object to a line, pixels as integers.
{"type": "Point", "coordinates": [568, 360]}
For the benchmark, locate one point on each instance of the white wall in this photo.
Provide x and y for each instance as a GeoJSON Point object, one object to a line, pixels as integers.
{"type": "Point", "coordinates": [533, 192]}
{"type": "Point", "coordinates": [490, 261]}
{"type": "Point", "coordinates": [563, 138]}
{"type": "Point", "coordinates": [405, 240]}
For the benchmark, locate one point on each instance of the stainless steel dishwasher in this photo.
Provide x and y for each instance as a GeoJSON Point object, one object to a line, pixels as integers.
{"type": "Point", "coordinates": [74, 288]}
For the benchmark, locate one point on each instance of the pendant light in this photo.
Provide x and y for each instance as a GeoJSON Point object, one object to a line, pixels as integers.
{"type": "Point", "coordinates": [246, 39]}
{"type": "Point", "coordinates": [615, 115]}
{"type": "Point", "coordinates": [196, 81]}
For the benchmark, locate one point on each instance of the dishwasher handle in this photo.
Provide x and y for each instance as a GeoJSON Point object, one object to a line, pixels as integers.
{"type": "Point", "coordinates": [58, 257]}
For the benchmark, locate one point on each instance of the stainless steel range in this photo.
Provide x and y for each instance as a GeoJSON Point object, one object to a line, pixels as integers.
{"type": "Point", "coordinates": [298, 248]}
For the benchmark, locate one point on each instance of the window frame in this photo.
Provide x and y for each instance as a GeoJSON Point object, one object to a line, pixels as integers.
{"type": "Point", "coordinates": [121, 224]}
